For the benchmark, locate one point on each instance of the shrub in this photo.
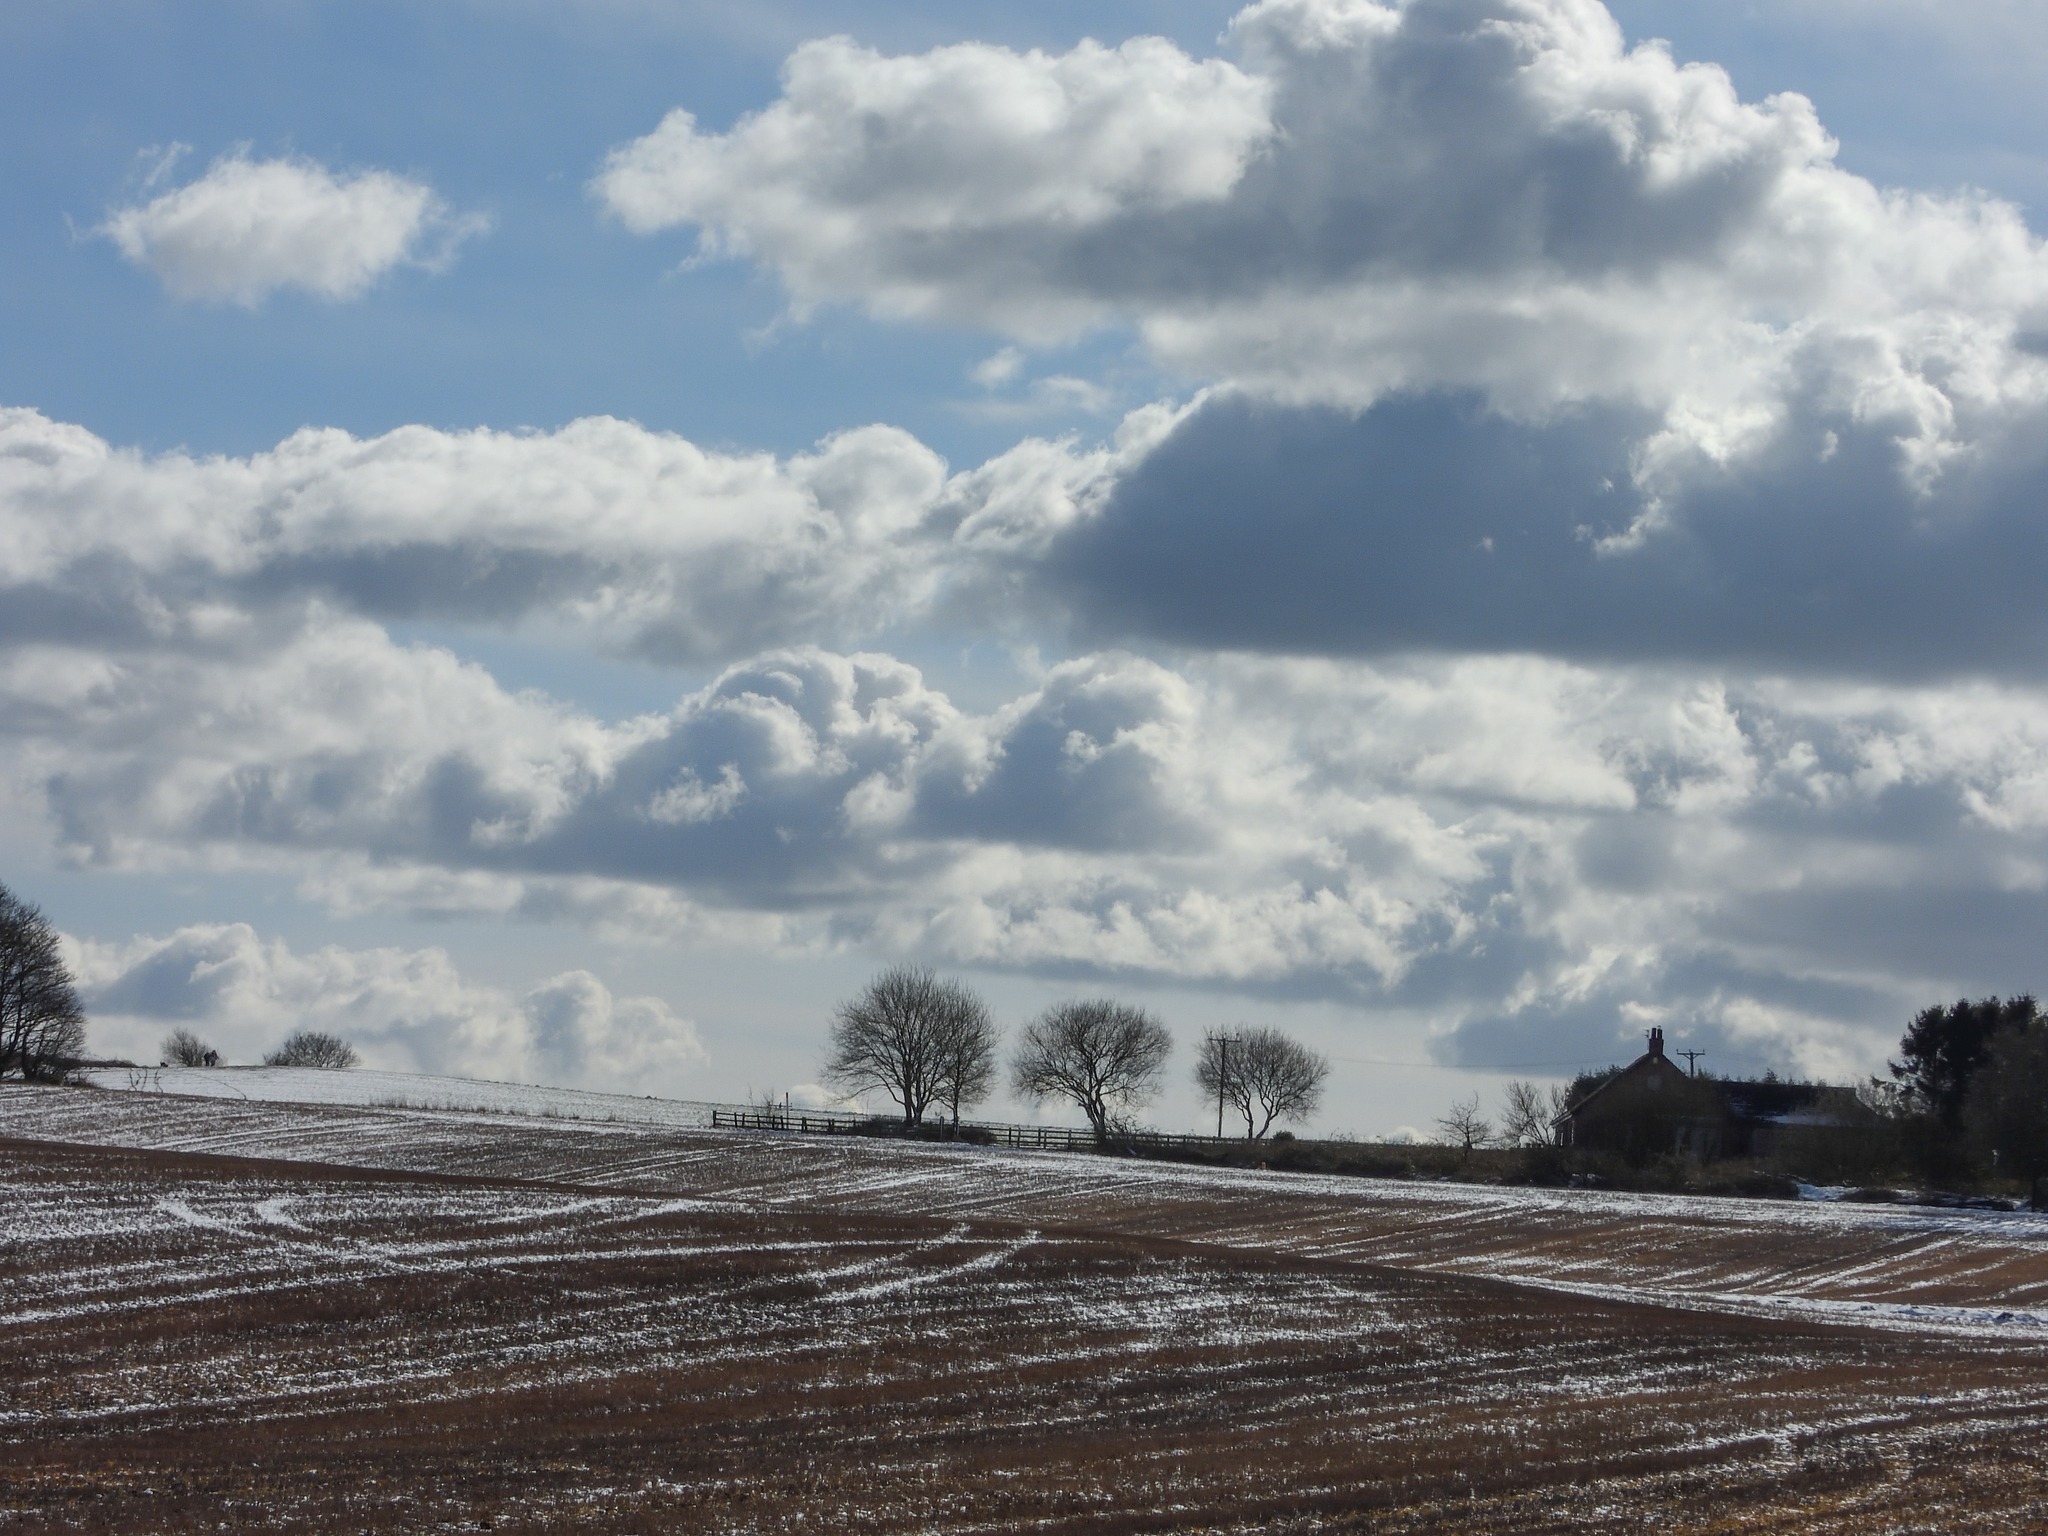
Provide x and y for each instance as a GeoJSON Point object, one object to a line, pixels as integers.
{"type": "Point", "coordinates": [312, 1048]}
{"type": "Point", "coordinates": [182, 1048]}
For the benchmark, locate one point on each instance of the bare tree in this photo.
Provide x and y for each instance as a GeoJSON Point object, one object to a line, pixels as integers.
{"type": "Point", "coordinates": [1529, 1113]}
{"type": "Point", "coordinates": [312, 1048]}
{"type": "Point", "coordinates": [42, 1025]}
{"type": "Point", "coordinates": [967, 1052]}
{"type": "Point", "coordinates": [919, 1038]}
{"type": "Point", "coordinates": [1464, 1127]}
{"type": "Point", "coordinates": [1106, 1057]}
{"type": "Point", "coordinates": [1263, 1073]}
{"type": "Point", "coordinates": [182, 1048]}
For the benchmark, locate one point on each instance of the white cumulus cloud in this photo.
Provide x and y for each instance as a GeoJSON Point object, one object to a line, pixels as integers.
{"type": "Point", "coordinates": [638, 540]}
{"type": "Point", "coordinates": [581, 1030]}
{"type": "Point", "coordinates": [1525, 851]}
{"type": "Point", "coordinates": [248, 228]}
{"type": "Point", "coordinates": [1496, 196]}
{"type": "Point", "coordinates": [874, 176]}
{"type": "Point", "coordinates": [1592, 578]}
{"type": "Point", "coordinates": [404, 1010]}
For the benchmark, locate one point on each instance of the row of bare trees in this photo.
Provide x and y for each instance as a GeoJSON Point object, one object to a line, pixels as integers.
{"type": "Point", "coordinates": [1526, 1118]}
{"type": "Point", "coordinates": [928, 1042]}
{"type": "Point", "coordinates": [301, 1048]}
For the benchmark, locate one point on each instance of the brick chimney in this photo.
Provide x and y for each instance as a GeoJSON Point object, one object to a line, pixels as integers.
{"type": "Point", "coordinates": [1656, 1036]}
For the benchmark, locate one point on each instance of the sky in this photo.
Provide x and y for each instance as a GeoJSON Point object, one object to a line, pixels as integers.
{"type": "Point", "coordinates": [556, 540]}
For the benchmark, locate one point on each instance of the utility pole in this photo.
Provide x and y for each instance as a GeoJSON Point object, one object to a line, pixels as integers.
{"type": "Point", "coordinates": [1223, 1045]}
{"type": "Point", "coordinates": [1691, 1061]}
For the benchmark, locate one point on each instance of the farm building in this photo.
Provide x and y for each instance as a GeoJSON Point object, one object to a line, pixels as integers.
{"type": "Point", "coordinates": [1654, 1106]}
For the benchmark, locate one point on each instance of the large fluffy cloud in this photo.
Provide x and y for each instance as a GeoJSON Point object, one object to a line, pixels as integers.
{"type": "Point", "coordinates": [1598, 588]}
{"type": "Point", "coordinates": [1432, 523]}
{"type": "Point", "coordinates": [1524, 338]}
{"type": "Point", "coordinates": [632, 539]}
{"type": "Point", "coordinates": [1537, 856]}
{"type": "Point", "coordinates": [1423, 523]}
{"type": "Point", "coordinates": [1493, 194]}
{"type": "Point", "coordinates": [248, 228]}
{"type": "Point", "coordinates": [1498, 198]}
{"type": "Point", "coordinates": [404, 1010]}
{"type": "Point", "coordinates": [926, 184]}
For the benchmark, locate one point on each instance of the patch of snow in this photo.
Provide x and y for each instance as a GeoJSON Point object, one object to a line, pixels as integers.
{"type": "Point", "coordinates": [364, 1089]}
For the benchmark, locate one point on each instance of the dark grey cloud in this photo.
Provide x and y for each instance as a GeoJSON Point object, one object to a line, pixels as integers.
{"type": "Point", "coordinates": [1075, 769]}
{"type": "Point", "coordinates": [476, 581]}
{"type": "Point", "coordinates": [1432, 523]}
{"type": "Point", "coordinates": [1963, 932]}
{"type": "Point", "coordinates": [1783, 1022]}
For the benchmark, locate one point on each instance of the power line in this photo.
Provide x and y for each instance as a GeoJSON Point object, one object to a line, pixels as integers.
{"type": "Point", "coordinates": [1471, 1066]}
{"type": "Point", "coordinates": [1494, 1066]}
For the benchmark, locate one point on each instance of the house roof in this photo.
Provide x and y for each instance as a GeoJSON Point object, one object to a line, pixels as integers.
{"type": "Point", "coordinates": [1746, 1099]}
{"type": "Point", "coordinates": [1786, 1103]}
{"type": "Point", "coordinates": [1650, 1061]}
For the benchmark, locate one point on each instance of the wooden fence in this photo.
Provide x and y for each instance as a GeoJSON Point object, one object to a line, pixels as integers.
{"type": "Point", "coordinates": [1032, 1138]}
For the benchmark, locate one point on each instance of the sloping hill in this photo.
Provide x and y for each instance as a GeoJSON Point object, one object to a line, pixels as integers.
{"type": "Point", "coordinates": [1888, 1266]}
{"type": "Point", "coordinates": [203, 1343]}
{"type": "Point", "coordinates": [232, 1314]}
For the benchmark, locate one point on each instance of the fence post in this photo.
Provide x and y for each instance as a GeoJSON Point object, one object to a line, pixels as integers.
{"type": "Point", "coordinates": [1055, 1138]}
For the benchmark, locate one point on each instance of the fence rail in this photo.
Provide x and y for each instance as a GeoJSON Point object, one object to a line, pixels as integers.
{"type": "Point", "coordinates": [1030, 1138]}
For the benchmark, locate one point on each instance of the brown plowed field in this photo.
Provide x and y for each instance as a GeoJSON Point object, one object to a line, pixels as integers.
{"type": "Point", "coordinates": [1883, 1265]}
{"type": "Point", "coordinates": [656, 1331]}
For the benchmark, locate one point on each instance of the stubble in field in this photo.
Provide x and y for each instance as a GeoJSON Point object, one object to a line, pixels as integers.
{"type": "Point", "coordinates": [200, 1343]}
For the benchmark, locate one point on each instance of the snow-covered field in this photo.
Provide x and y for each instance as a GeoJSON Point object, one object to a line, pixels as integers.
{"type": "Point", "coordinates": [400, 1090]}
{"type": "Point", "coordinates": [1888, 1266]}
{"type": "Point", "coordinates": [203, 1343]}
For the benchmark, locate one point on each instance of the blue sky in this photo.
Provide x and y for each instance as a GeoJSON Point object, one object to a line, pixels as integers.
{"type": "Point", "coordinates": [507, 108]}
{"type": "Point", "coordinates": [1428, 527]}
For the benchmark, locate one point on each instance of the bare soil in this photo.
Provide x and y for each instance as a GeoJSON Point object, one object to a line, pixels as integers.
{"type": "Point", "coordinates": [1878, 1264]}
{"type": "Point", "coordinates": [198, 1342]}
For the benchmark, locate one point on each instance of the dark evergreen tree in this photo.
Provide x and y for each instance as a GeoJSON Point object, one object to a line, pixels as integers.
{"type": "Point", "coordinates": [2006, 1111]}
{"type": "Point", "coordinates": [1944, 1047]}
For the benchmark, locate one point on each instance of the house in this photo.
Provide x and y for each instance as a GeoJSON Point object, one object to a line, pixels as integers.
{"type": "Point", "coordinates": [1763, 1115]}
{"type": "Point", "coordinates": [1653, 1107]}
